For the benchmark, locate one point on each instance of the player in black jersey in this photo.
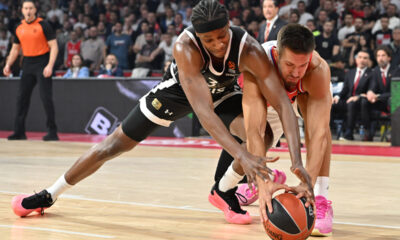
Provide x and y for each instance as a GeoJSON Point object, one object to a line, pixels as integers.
{"type": "Point", "coordinates": [202, 78]}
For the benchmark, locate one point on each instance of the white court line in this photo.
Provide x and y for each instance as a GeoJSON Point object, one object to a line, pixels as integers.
{"type": "Point", "coordinates": [57, 231]}
{"type": "Point", "coordinates": [190, 208]}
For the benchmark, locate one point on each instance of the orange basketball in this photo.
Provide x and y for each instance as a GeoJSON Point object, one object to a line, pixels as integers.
{"type": "Point", "coordinates": [290, 219]}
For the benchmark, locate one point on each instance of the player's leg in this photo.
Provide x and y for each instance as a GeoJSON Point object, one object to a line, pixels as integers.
{"type": "Point", "coordinates": [134, 129]}
{"type": "Point", "coordinates": [319, 173]}
{"type": "Point", "coordinates": [26, 85]}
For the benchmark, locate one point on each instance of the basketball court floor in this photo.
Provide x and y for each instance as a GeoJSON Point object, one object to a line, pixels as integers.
{"type": "Point", "coordinates": [159, 191]}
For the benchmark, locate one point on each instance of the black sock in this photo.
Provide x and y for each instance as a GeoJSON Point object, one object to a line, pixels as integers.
{"type": "Point", "coordinates": [225, 160]}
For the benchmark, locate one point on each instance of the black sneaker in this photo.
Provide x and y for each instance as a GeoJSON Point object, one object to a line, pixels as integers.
{"type": "Point", "coordinates": [23, 205]}
{"type": "Point", "coordinates": [16, 136]}
{"type": "Point", "coordinates": [50, 137]}
{"type": "Point", "coordinates": [229, 204]}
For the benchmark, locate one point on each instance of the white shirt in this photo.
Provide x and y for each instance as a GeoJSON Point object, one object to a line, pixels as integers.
{"type": "Point", "coordinates": [386, 70]}
{"type": "Point", "coordinates": [272, 22]}
{"type": "Point", "coordinates": [344, 31]}
{"type": "Point", "coordinates": [393, 22]}
{"type": "Point", "coordinates": [305, 17]}
{"type": "Point", "coordinates": [362, 72]}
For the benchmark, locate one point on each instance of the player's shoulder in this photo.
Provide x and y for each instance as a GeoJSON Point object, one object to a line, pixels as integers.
{"type": "Point", "coordinates": [318, 65]}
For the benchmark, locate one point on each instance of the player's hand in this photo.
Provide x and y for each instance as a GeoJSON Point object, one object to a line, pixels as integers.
{"type": "Point", "coordinates": [265, 191]}
{"type": "Point", "coordinates": [304, 189]}
{"type": "Point", "coordinates": [7, 70]}
{"type": "Point", "coordinates": [47, 71]}
{"type": "Point", "coordinates": [255, 166]}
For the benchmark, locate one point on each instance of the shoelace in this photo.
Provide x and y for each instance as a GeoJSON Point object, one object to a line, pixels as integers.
{"type": "Point", "coordinates": [232, 201]}
{"type": "Point", "coordinates": [242, 198]}
{"type": "Point", "coordinates": [322, 207]}
{"type": "Point", "coordinates": [43, 200]}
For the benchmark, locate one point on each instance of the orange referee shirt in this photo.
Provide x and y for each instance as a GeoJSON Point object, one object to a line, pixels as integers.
{"type": "Point", "coordinates": [33, 37]}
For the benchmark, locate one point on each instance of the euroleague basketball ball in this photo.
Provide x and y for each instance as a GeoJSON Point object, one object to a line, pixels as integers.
{"type": "Point", "coordinates": [290, 219]}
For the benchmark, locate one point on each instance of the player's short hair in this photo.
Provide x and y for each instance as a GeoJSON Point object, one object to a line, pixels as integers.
{"type": "Point", "coordinates": [209, 15]}
{"type": "Point", "coordinates": [297, 38]}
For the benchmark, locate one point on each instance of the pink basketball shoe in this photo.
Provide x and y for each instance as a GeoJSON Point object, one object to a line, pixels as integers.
{"type": "Point", "coordinates": [247, 196]}
{"type": "Point", "coordinates": [323, 223]}
{"type": "Point", "coordinates": [23, 205]}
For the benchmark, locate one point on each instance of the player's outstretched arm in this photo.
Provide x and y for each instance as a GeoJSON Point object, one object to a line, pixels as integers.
{"type": "Point", "coordinates": [189, 63]}
{"type": "Point", "coordinates": [255, 119]}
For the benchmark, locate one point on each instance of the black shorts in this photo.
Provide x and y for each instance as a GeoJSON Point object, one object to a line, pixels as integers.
{"type": "Point", "coordinates": [167, 102]}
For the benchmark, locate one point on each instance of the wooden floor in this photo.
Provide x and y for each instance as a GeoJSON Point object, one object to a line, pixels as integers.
{"type": "Point", "coordinates": [161, 193]}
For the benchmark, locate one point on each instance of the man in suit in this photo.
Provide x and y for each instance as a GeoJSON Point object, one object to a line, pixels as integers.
{"type": "Point", "coordinates": [355, 87]}
{"type": "Point", "coordinates": [269, 30]}
{"type": "Point", "coordinates": [378, 95]}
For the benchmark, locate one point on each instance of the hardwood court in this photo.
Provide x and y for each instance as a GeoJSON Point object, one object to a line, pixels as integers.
{"type": "Point", "coordinates": [161, 193]}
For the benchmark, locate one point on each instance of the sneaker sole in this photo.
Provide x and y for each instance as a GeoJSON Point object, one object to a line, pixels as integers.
{"type": "Point", "coordinates": [317, 233]}
{"type": "Point", "coordinates": [230, 216]}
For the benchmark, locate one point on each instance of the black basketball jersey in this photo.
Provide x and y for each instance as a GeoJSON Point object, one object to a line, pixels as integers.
{"type": "Point", "coordinates": [219, 82]}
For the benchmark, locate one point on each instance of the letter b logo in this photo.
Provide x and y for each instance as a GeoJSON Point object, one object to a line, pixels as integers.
{"type": "Point", "coordinates": [102, 122]}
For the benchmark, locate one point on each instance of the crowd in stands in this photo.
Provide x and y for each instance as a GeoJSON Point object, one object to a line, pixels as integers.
{"type": "Point", "coordinates": [135, 37]}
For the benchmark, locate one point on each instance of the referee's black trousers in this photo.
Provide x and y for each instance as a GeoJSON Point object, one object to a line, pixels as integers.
{"type": "Point", "coordinates": [32, 73]}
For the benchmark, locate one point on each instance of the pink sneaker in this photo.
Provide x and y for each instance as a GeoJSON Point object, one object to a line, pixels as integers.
{"type": "Point", "coordinates": [323, 223]}
{"type": "Point", "coordinates": [247, 196]}
{"type": "Point", "coordinates": [23, 205]}
{"type": "Point", "coordinates": [229, 204]}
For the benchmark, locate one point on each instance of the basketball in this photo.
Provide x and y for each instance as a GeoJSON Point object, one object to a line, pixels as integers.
{"type": "Point", "coordinates": [290, 219]}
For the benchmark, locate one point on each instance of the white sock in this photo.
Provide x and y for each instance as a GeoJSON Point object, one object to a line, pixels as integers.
{"type": "Point", "coordinates": [58, 187]}
{"type": "Point", "coordinates": [229, 180]}
{"type": "Point", "coordinates": [322, 186]}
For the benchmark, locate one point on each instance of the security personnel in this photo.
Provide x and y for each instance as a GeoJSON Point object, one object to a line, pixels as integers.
{"type": "Point", "coordinates": [37, 40]}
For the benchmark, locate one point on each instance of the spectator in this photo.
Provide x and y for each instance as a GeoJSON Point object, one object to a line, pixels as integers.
{"type": "Point", "coordinates": [369, 17]}
{"type": "Point", "coordinates": [384, 35]}
{"type": "Point", "coordinates": [163, 6]}
{"type": "Point", "coordinates": [390, 14]}
{"type": "Point", "coordinates": [322, 17]}
{"type": "Point", "coordinates": [348, 27]}
{"type": "Point", "coordinates": [141, 40]}
{"type": "Point", "coordinates": [284, 10]}
{"type": "Point", "coordinates": [4, 42]}
{"type": "Point", "coordinates": [178, 23]}
{"type": "Point", "coordinates": [166, 47]}
{"type": "Point", "coordinates": [377, 97]}
{"type": "Point", "coordinates": [77, 70]}
{"type": "Point", "coordinates": [72, 47]}
{"type": "Point", "coordinates": [356, 84]}
{"type": "Point", "coordinates": [395, 47]}
{"type": "Point", "coordinates": [327, 43]}
{"type": "Point", "coordinates": [145, 61]}
{"type": "Point", "coordinates": [55, 11]}
{"type": "Point", "coordinates": [153, 24]}
{"type": "Point", "coordinates": [80, 23]}
{"type": "Point", "coordinates": [294, 16]}
{"type": "Point", "coordinates": [310, 24]}
{"type": "Point", "coordinates": [269, 30]}
{"type": "Point", "coordinates": [304, 16]}
{"type": "Point", "coordinates": [361, 45]}
{"type": "Point", "coordinates": [337, 73]}
{"type": "Point", "coordinates": [92, 50]}
{"type": "Point", "coordinates": [119, 44]}
{"type": "Point", "coordinates": [168, 18]}
{"type": "Point", "coordinates": [110, 67]}
{"type": "Point", "coordinates": [187, 19]}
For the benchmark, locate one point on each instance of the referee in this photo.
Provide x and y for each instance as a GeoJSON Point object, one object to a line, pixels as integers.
{"type": "Point", "coordinates": [39, 47]}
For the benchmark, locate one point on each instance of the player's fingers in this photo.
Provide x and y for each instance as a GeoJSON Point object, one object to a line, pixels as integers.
{"type": "Point", "coordinates": [269, 205]}
{"type": "Point", "coordinates": [263, 211]}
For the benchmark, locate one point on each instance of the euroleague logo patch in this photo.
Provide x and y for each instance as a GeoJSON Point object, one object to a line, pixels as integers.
{"type": "Point", "coordinates": [231, 65]}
